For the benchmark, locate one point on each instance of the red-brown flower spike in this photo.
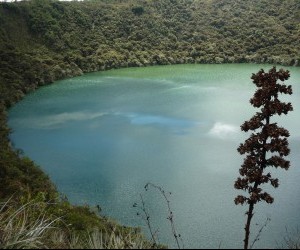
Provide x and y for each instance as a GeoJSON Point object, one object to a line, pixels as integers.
{"type": "Point", "coordinates": [267, 145]}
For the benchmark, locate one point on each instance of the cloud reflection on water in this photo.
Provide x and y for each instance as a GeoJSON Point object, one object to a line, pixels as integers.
{"type": "Point", "coordinates": [224, 131]}
{"type": "Point", "coordinates": [137, 119]}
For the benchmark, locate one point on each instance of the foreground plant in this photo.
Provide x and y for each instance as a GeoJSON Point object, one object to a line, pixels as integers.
{"type": "Point", "coordinates": [267, 146]}
{"type": "Point", "coordinates": [290, 241]}
{"type": "Point", "coordinates": [30, 226]}
{"type": "Point", "coordinates": [145, 215]}
{"type": "Point", "coordinates": [24, 227]}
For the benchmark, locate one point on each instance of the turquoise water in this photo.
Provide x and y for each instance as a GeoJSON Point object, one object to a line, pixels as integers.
{"type": "Point", "coordinates": [102, 136]}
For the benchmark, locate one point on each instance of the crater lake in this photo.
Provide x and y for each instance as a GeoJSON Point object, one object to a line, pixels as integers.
{"type": "Point", "coordinates": [103, 136]}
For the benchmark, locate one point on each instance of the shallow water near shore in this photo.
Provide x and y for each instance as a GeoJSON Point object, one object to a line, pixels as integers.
{"type": "Point", "coordinates": [102, 136]}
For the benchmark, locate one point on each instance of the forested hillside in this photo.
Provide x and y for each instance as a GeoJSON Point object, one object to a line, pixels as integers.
{"type": "Point", "coordinates": [42, 41]}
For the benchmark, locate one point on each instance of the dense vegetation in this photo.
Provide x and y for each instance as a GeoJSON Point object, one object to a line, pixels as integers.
{"type": "Point", "coordinates": [42, 41]}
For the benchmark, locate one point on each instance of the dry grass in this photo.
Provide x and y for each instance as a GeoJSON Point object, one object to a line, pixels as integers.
{"type": "Point", "coordinates": [29, 226]}
{"type": "Point", "coordinates": [291, 240]}
{"type": "Point", "coordinates": [24, 227]}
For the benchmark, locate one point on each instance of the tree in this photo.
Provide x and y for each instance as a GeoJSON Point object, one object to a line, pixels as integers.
{"type": "Point", "coordinates": [267, 146]}
{"type": "Point", "coordinates": [138, 10]}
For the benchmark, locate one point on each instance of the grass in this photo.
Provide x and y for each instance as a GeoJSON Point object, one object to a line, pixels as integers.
{"type": "Point", "coordinates": [291, 239]}
{"type": "Point", "coordinates": [23, 227]}
{"type": "Point", "coordinates": [30, 226]}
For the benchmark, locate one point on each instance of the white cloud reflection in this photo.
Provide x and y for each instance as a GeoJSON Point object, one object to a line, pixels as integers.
{"type": "Point", "coordinates": [57, 120]}
{"type": "Point", "coordinates": [224, 131]}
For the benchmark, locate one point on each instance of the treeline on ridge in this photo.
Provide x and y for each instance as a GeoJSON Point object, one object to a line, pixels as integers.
{"type": "Point", "coordinates": [43, 40]}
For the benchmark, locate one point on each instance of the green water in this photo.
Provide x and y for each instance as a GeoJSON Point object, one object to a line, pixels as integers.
{"type": "Point", "coordinates": [102, 136]}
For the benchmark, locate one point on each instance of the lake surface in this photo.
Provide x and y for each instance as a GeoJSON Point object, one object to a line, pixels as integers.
{"type": "Point", "coordinates": [102, 136]}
